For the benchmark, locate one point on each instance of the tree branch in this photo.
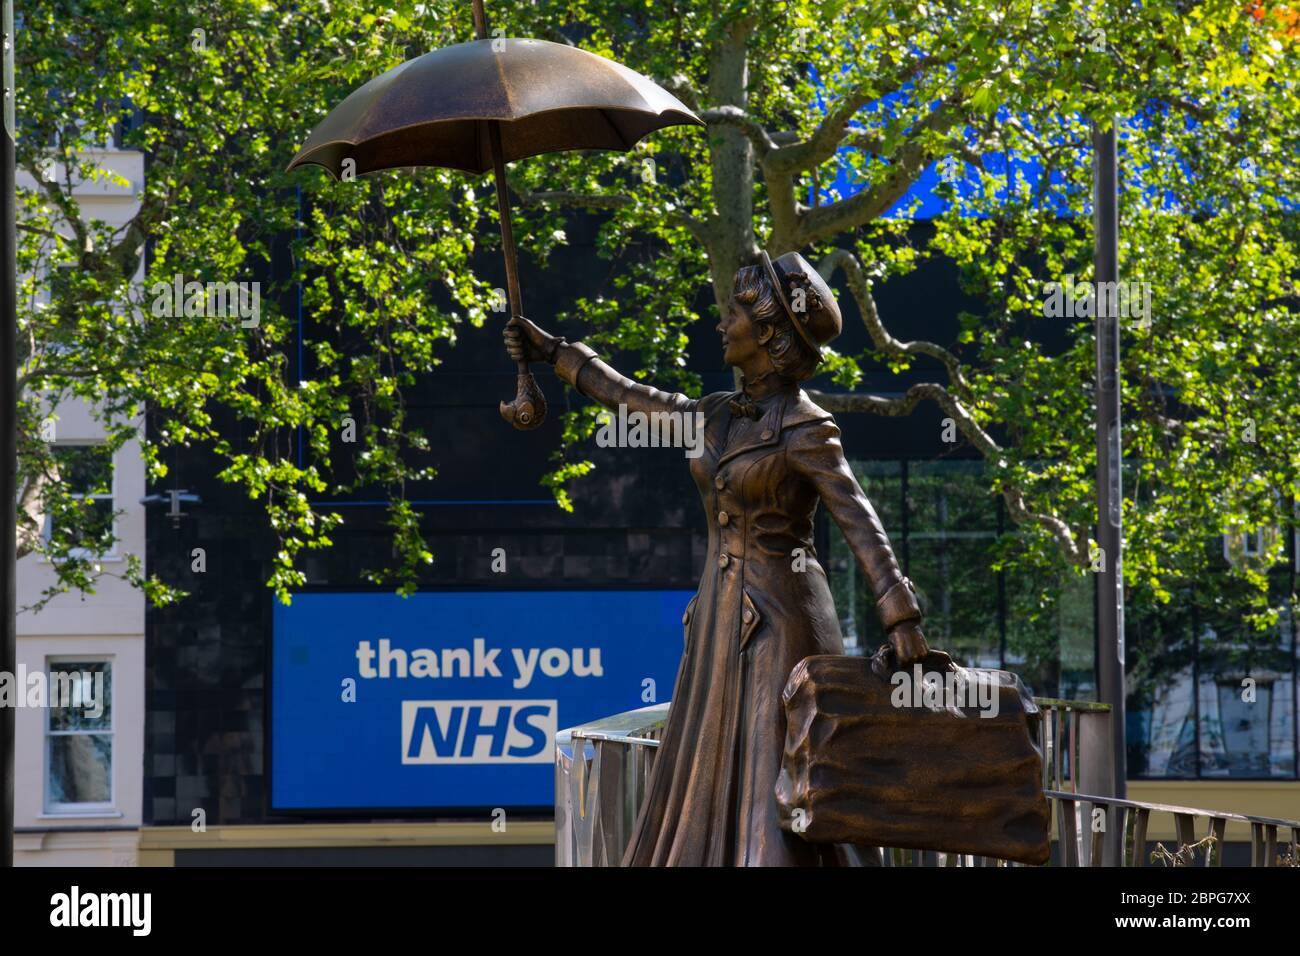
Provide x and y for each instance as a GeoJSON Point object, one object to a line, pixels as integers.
{"type": "Point", "coordinates": [880, 337]}
{"type": "Point", "coordinates": [907, 164]}
{"type": "Point", "coordinates": [1075, 546]}
{"type": "Point", "coordinates": [828, 135]}
{"type": "Point", "coordinates": [735, 117]}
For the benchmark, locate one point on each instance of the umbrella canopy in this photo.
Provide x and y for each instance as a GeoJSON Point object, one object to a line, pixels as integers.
{"type": "Point", "coordinates": [437, 109]}
{"type": "Point", "coordinates": [477, 106]}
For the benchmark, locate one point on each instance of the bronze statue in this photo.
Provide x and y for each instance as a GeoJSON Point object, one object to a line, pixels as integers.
{"type": "Point", "coordinates": [763, 603]}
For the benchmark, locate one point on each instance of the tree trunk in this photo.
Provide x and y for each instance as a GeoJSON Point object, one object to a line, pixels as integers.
{"type": "Point", "coordinates": [732, 242]}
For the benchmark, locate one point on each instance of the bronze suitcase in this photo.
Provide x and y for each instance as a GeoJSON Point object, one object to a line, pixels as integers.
{"type": "Point", "coordinates": [872, 758]}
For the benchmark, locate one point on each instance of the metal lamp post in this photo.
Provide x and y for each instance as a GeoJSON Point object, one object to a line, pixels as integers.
{"type": "Point", "coordinates": [8, 438]}
{"type": "Point", "coordinates": [1110, 580]}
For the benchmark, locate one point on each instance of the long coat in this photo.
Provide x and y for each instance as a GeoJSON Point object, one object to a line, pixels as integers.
{"type": "Point", "coordinates": [763, 605]}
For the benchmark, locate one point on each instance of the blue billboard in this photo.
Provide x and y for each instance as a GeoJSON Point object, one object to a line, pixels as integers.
{"type": "Point", "coordinates": [452, 698]}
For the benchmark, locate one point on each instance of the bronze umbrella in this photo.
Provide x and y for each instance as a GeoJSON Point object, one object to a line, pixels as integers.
{"type": "Point", "coordinates": [477, 106]}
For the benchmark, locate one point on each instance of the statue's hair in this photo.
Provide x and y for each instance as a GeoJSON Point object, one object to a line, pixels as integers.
{"type": "Point", "coordinates": [792, 358]}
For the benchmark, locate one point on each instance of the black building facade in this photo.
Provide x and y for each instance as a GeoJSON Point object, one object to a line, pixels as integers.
{"type": "Point", "coordinates": [636, 524]}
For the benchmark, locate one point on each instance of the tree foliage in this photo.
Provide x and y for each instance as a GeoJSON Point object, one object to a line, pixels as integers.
{"type": "Point", "coordinates": [821, 117]}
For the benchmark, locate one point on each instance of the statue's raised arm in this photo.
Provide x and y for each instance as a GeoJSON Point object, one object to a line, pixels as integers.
{"type": "Point", "coordinates": [579, 366]}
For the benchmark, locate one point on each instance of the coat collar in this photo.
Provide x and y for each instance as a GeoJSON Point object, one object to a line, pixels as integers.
{"type": "Point", "coordinates": [783, 410]}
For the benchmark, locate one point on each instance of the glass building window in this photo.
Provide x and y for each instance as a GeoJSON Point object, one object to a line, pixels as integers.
{"type": "Point", "coordinates": [945, 528]}
{"type": "Point", "coordinates": [1245, 699]}
{"type": "Point", "coordinates": [86, 470]}
{"type": "Point", "coordinates": [952, 526]}
{"type": "Point", "coordinates": [1208, 697]}
{"type": "Point", "coordinates": [79, 736]}
{"type": "Point", "coordinates": [1161, 677]}
{"type": "Point", "coordinates": [882, 482]}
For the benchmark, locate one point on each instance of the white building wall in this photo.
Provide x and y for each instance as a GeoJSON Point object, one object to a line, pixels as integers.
{"type": "Point", "coordinates": [106, 625]}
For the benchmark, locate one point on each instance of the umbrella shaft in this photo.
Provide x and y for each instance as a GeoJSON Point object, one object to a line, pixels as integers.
{"type": "Point", "coordinates": [503, 198]}
{"type": "Point", "coordinates": [503, 210]}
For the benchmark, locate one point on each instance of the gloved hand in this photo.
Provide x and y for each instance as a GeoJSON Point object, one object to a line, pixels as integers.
{"type": "Point", "coordinates": [906, 645]}
{"type": "Point", "coordinates": [527, 342]}
{"type": "Point", "coordinates": [908, 642]}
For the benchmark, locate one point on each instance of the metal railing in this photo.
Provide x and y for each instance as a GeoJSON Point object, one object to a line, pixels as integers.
{"type": "Point", "coordinates": [1082, 845]}
{"type": "Point", "coordinates": [601, 771]}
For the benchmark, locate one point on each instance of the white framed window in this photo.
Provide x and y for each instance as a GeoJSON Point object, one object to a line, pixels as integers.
{"type": "Point", "coordinates": [59, 279]}
{"type": "Point", "coordinates": [86, 469]}
{"type": "Point", "coordinates": [79, 735]}
{"type": "Point", "coordinates": [56, 291]}
{"type": "Point", "coordinates": [1244, 545]}
{"type": "Point", "coordinates": [1239, 545]}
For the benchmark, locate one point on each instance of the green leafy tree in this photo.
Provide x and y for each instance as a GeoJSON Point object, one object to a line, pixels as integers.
{"type": "Point", "coordinates": [821, 117]}
{"type": "Point", "coordinates": [867, 97]}
{"type": "Point", "coordinates": [217, 95]}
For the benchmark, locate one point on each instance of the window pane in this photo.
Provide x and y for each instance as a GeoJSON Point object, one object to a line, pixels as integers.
{"type": "Point", "coordinates": [952, 526]}
{"type": "Point", "coordinates": [1050, 632]}
{"type": "Point", "coordinates": [882, 481]}
{"type": "Point", "coordinates": [81, 695]}
{"type": "Point", "coordinates": [85, 469]}
{"type": "Point", "coordinates": [81, 768]}
{"type": "Point", "coordinates": [959, 595]}
{"type": "Point", "coordinates": [1247, 727]}
{"type": "Point", "coordinates": [854, 600]}
{"type": "Point", "coordinates": [99, 523]}
{"type": "Point", "coordinates": [86, 522]}
{"type": "Point", "coordinates": [950, 496]}
{"type": "Point", "coordinates": [62, 279]}
{"type": "Point", "coordinates": [1159, 667]}
{"type": "Point", "coordinates": [1163, 735]}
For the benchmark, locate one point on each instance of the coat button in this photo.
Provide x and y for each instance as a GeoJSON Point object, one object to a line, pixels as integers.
{"type": "Point", "coordinates": [767, 433]}
{"type": "Point", "coordinates": [723, 518]}
{"type": "Point", "coordinates": [719, 482]}
{"type": "Point", "coordinates": [724, 560]}
{"type": "Point", "coordinates": [748, 615]}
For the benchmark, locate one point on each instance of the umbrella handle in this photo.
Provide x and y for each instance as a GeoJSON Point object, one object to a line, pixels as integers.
{"type": "Point", "coordinates": [528, 408]}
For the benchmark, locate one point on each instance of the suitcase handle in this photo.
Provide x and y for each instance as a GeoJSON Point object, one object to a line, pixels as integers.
{"type": "Point", "coordinates": [884, 663]}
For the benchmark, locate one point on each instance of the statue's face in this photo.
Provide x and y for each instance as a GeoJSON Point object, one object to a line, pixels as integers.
{"type": "Point", "coordinates": [740, 345]}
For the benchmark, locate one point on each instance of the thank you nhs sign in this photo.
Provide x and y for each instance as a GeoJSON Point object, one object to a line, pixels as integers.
{"type": "Point", "coordinates": [478, 731]}
{"type": "Point", "coordinates": [452, 699]}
